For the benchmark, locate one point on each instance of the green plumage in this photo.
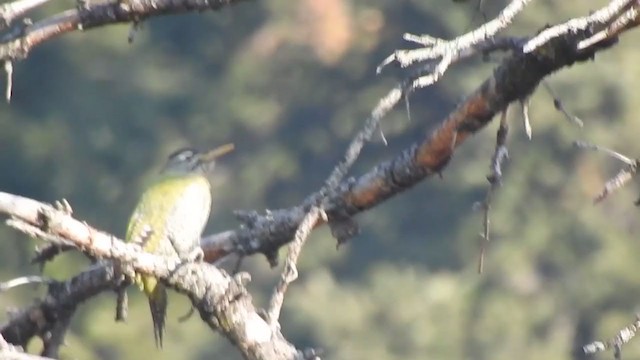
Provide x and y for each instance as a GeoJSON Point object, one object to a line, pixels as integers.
{"type": "Point", "coordinates": [168, 221]}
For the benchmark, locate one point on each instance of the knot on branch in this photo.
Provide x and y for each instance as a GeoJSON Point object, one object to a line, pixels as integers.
{"type": "Point", "coordinates": [272, 257]}
{"type": "Point", "coordinates": [236, 289]}
{"type": "Point", "coordinates": [343, 229]}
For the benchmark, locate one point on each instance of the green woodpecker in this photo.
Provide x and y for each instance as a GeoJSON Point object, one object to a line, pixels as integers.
{"type": "Point", "coordinates": [170, 217]}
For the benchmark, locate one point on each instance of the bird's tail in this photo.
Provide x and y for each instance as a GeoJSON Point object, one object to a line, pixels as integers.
{"type": "Point", "coordinates": [157, 294]}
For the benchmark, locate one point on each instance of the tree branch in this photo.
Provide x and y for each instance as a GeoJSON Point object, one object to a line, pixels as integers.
{"type": "Point", "coordinates": [438, 48]}
{"type": "Point", "coordinates": [513, 80]}
{"type": "Point", "coordinates": [600, 18]}
{"type": "Point", "coordinates": [290, 272]}
{"type": "Point", "coordinates": [13, 10]}
{"type": "Point", "coordinates": [222, 300]}
{"type": "Point", "coordinates": [18, 44]}
{"type": "Point", "coordinates": [11, 352]}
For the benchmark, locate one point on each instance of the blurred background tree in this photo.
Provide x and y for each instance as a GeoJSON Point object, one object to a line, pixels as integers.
{"type": "Point", "coordinates": [92, 119]}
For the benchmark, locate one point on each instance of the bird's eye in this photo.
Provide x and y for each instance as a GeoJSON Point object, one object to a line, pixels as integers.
{"type": "Point", "coordinates": [183, 155]}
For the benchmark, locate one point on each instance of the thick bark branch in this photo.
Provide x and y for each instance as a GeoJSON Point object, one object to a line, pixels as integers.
{"type": "Point", "coordinates": [18, 44]}
{"type": "Point", "coordinates": [513, 80]}
{"type": "Point", "coordinates": [11, 11]}
{"type": "Point", "coordinates": [222, 300]}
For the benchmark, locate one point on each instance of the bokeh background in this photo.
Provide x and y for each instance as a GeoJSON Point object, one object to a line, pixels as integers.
{"type": "Point", "coordinates": [290, 82]}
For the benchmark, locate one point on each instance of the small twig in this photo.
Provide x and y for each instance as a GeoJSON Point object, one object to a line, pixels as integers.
{"type": "Point", "coordinates": [433, 73]}
{"type": "Point", "coordinates": [383, 107]}
{"type": "Point", "coordinates": [495, 180]}
{"type": "Point", "coordinates": [557, 104]}
{"type": "Point", "coordinates": [438, 54]}
{"type": "Point", "coordinates": [616, 182]}
{"type": "Point", "coordinates": [290, 272]}
{"type": "Point", "coordinates": [438, 48]}
{"type": "Point", "coordinates": [612, 153]}
{"type": "Point", "coordinates": [64, 206]}
{"type": "Point", "coordinates": [8, 68]}
{"type": "Point", "coordinates": [621, 178]}
{"type": "Point", "coordinates": [525, 116]}
{"type": "Point", "coordinates": [622, 337]}
{"type": "Point", "coordinates": [122, 303]}
{"type": "Point", "coordinates": [24, 280]}
{"type": "Point", "coordinates": [424, 40]}
{"type": "Point", "coordinates": [382, 137]}
{"type": "Point", "coordinates": [407, 106]}
{"type": "Point", "coordinates": [135, 27]}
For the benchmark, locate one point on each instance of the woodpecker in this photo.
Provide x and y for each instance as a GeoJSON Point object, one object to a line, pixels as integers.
{"type": "Point", "coordinates": [170, 217]}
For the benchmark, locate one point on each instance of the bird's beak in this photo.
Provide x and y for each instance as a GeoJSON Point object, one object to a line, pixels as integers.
{"type": "Point", "coordinates": [212, 155]}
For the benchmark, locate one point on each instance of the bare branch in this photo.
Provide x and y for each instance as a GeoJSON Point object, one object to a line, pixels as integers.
{"type": "Point", "coordinates": [515, 78]}
{"type": "Point", "coordinates": [439, 54]}
{"type": "Point", "coordinates": [621, 178]}
{"type": "Point", "coordinates": [495, 180]}
{"type": "Point", "coordinates": [23, 280]}
{"type": "Point", "coordinates": [220, 298]}
{"type": "Point", "coordinates": [11, 11]}
{"type": "Point", "coordinates": [18, 45]}
{"type": "Point", "coordinates": [290, 272]}
{"type": "Point", "coordinates": [389, 101]}
{"type": "Point", "coordinates": [384, 106]}
{"type": "Point", "coordinates": [439, 48]}
{"type": "Point", "coordinates": [628, 19]}
{"type": "Point", "coordinates": [557, 104]}
{"type": "Point", "coordinates": [37, 319]}
{"type": "Point", "coordinates": [614, 154]}
{"type": "Point", "coordinates": [601, 17]}
{"type": "Point", "coordinates": [622, 337]}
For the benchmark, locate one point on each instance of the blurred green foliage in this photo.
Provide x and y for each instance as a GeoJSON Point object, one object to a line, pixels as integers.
{"type": "Point", "coordinates": [92, 119]}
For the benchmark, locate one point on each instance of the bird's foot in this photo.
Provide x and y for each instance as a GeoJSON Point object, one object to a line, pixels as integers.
{"type": "Point", "coordinates": [64, 206]}
{"type": "Point", "coordinates": [197, 255]}
{"type": "Point", "coordinates": [188, 315]}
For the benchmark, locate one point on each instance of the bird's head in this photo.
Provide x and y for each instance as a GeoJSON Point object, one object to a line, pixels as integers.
{"type": "Point", "coordinates": [187, 160]}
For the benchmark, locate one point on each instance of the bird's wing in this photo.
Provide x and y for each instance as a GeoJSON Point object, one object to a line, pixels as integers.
{"type": "Point", "coordinates": [147, 226]}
